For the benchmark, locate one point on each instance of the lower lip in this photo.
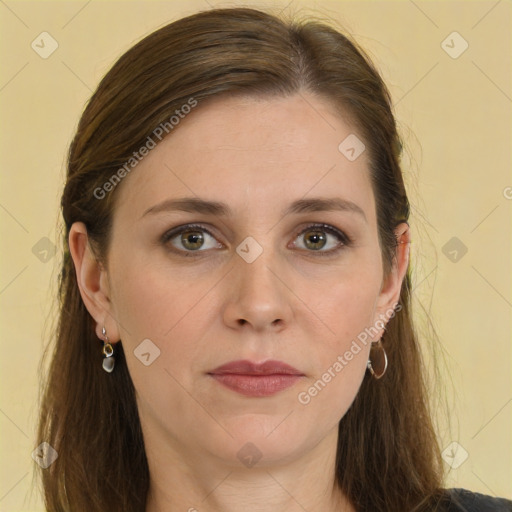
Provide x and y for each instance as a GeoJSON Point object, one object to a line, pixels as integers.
{"type": "Point", "coordinates": [256, 385]}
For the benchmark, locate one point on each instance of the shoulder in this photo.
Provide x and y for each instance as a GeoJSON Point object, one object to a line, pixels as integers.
{"type": "Point", "coordinates": [462, 500]}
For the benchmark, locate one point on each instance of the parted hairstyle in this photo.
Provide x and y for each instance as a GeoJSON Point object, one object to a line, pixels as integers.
{"type": "Point", "coordinates": [388, 458]}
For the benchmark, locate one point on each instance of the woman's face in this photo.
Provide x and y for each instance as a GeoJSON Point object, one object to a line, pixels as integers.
{"type": "Point", "coordinates": [258, 282]}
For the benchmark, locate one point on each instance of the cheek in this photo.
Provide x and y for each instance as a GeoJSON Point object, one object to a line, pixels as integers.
{"type": "Point", "coordinates": [172, 310]}
{"type": "Point", "coordinates": [346, 303]}
{"type": "Point", "coordinates": [150, 300]}
{"type": "Point", "coordinates": [347, 310]}
{"type": "Point", "coordinates": [151, 304]}
{"type": "Point", "coordinates": [341, 361]}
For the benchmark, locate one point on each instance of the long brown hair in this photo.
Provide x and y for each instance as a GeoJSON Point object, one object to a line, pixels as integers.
{"type": "Point", "coordinates": [387, 457]}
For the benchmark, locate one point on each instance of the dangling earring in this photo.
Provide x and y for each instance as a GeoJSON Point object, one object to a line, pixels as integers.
{"type": "Point", "coordinates": [108, 351]}
{"type": "Point", "coordinates": [378, 361]}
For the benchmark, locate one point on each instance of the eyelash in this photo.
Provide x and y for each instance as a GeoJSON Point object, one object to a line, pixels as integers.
{"type": "Point", "coordinates": [345, 240]}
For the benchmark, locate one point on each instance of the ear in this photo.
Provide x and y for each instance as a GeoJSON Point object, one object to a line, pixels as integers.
{"type": "Point", "coordinates": [92, 281]}
{"type": "Point", "coordinates": [389, 294]}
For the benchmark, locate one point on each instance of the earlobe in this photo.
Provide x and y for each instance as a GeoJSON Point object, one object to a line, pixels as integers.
{"type": "Point", "coordinates": [91, 278]}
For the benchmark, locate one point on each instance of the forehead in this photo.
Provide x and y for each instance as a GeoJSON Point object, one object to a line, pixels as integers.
{"type": "Point", "coordinates": [252, 152]}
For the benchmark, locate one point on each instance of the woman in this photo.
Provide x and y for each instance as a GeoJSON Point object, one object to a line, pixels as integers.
{"type": "Point", "coordinates": [237, 235]}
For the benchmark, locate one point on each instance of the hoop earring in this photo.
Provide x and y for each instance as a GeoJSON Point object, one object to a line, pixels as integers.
{"type": "Point", "coordinates": [378, 360]}
{"type": "Point", "coordinates": [108, 351]}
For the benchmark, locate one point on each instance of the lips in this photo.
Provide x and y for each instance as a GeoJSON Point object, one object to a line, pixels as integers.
{"type": "Point", "coordinates": [244, 367]}
{"type": "Point", "coordinates": [256, 379]}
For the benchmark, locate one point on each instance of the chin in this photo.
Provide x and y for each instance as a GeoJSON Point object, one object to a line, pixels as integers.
{"type": "Point", "coordinates": [259, 440]}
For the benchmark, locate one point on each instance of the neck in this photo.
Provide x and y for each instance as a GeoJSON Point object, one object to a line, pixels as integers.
{"type": "Point", "coordinates": [200, 482]}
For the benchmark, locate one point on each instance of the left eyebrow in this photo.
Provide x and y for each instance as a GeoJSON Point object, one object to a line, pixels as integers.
{"type": "Point", "coordinates": [321, 204]}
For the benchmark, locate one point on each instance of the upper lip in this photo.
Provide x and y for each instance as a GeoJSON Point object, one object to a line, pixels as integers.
{"type": "Point", "coordinates": [245, 367]}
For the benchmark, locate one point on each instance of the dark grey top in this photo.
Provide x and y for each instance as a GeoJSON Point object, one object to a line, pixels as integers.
{"type": "Point", "coordinates": [462, 500]}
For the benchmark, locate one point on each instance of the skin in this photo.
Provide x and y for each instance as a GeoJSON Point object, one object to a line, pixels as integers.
{"type": "Point", "coordinates": [290, 304]}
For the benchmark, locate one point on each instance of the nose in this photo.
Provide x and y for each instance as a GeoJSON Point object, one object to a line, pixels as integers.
{"type": "Point", "coordinates": [258, 296]}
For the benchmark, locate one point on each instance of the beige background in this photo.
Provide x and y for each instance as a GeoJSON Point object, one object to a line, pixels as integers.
{"type": "Point", "coordinates": [454, 115]}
